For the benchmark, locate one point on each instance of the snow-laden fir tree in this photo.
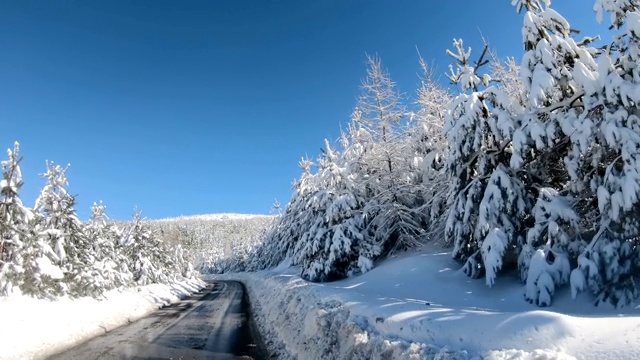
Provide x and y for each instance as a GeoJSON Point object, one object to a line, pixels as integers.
{"type": "Point", "coordinates": [489, 201]}
{"type": "Point", "coordinates": [549, 145]}
{"type": "Point", "coordinates": [427, 149]}
{"type": "Point", "coordinates": [287, 230]}
{"type": "Point", "coordinates": [64, 232]}
{"type": "Point", "coordinates": [111, 260]}
{"type": "Point", "coordinates": [28, 262]}
{"type": "Point", "coordinates": [605, 159]}
{"type": "Point", "coordinates": [183, 267]}
{"type": "Point", "coordinates": [327, 250]}
{"type": "Point", "coordinates": [149, 259]}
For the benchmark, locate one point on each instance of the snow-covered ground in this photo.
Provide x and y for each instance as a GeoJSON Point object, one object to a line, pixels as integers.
{"type": "Point", "coordinates": [420, 306]}
{"type": "Point", "coordinates": [37, 328]}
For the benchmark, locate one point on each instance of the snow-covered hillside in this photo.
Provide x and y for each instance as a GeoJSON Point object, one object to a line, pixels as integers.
{"type": "Point", "coordinates": [214, 242]}
{"type": "Point", "coordinates": [420, 306]}
{"type": "Point", "coordinates": [216, 217]}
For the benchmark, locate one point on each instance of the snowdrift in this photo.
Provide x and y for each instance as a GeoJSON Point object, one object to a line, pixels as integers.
{"type": "Point", "coordinates": [421, 306]}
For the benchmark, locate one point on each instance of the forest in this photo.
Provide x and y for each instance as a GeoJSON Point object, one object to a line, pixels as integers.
{"type": "Point", "coordinates": [521, 168]}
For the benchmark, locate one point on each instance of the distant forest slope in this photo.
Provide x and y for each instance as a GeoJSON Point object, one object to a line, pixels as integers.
{"type": "Point", "coordinates": [214, 243]}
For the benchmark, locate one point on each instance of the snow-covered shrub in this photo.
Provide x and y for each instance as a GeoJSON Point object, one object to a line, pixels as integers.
{"type": "Point", "coordinates": [546, 271]}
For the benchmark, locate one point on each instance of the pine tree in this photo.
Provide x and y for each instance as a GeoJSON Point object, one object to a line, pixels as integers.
{"type": "Point", "coordinates": [549, 145]}
{"type": "Point", "coordinates": [428, 146]}
{"type": "Point", "coordinates": [381, 121]}
{"type": "Point", "coordinates": [605, 159]}
{"type": "Point", "coordinates": [136, 238]}
{"type": "Point", "coordinates": [287, 230]}
{"type": "Point", "coordinates": [110, 258]}
{"type": "Point", "coordinates": [28, 262]}
{"type": "Point", "coordinates": [150, 260]}
{"type": "Point", "coordinates": [489, 201]}
{"type": "Point", "coordinates": [62, 229]}
{"type": "Point", "coordinates": [326, 249]}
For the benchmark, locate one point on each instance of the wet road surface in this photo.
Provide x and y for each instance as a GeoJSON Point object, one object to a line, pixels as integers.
{"type": "Point", "coordinates": [212, 324]}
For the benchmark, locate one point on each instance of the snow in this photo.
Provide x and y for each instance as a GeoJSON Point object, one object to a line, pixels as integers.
{"type": "Point", "coordinates": [220, 216]}
{"type": "Point", "coordinates": [47, 268]}
{"type": "Point", "coordinates": [38, 328]}
{"type": "Point", "coordinates": [419, 306]}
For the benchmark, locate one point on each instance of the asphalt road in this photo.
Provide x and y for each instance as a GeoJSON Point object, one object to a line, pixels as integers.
{"type": "Point", "coordinates": [212, 324]}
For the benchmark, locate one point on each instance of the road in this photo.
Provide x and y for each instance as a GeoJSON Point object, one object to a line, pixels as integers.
{"type": "Point", "coordinates": [209, 325]}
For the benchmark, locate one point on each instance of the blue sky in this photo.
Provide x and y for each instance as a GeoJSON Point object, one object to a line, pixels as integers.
{"type": "Point", "coordinates": [190, 107]}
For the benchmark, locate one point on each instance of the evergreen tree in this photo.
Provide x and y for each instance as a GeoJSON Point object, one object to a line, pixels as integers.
{"type": "Point", "coordinates": [287, 230]}
{"type": "Point", "coordinates": [546, 147]}
{"type": "Point", "coordinates": [427, 150]}
{"type": "Point", "coordinates": [605, 159]}
{"type": "Point", "coordinates": [111, 261]}
{"type": "Point", "coordinates": [150, 260]}
{"type": "Point", "coordinates": [62, 229]}
{"type": "Point", "coordinates": [489, 202]}
{"type": "Point", "coordinates": [328, 250]}
{"type": "Point", "coordinates": [28, 262]}
{"type": "Point", "coordinates": [393, 206]}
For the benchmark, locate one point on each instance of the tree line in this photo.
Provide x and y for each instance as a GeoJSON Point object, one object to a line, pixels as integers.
{"type": "Point", "coordinates": [530, 166]}
{"type": "Point", "coordinates": [47, 252]}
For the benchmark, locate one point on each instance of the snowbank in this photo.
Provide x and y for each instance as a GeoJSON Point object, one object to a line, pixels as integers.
{"type": "Point", "coordinates": [421, 306]}
{"type": "Point", "coordinates": [35, 329]}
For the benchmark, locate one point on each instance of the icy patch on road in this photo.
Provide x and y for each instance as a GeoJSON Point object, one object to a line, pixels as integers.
{"type": "Point", "coordinates": [36, 328]}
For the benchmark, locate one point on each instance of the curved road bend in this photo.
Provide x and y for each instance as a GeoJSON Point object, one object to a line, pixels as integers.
{"type": "Point", "coordinates": [209, 325]}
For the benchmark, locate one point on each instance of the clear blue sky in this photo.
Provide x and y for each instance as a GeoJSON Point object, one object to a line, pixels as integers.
{"type": "Point", "coordinates": [190, 107]}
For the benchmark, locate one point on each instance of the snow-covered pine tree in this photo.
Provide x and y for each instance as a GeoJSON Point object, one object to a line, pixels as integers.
{"type": "Point", "coordinates": [544, 150]}
{"type": "Point", "coordinates": [489, 202]}
{"type": "Point", "coordinates": [287, 230]}
{"type": "Point", "coordinates": [64, 232]}
{"type": "Point", "coordinates": [506, 72]}
{"type": "Point", "coordinates": [27, 262]}
{"type": "Point", "coordinates": [357, 183]}
{"type": "Point", "coordinates": [395, 220]}
{"type": "Point", "coordinates": [427, 144]}
{"type": "Point", "coordinates": [326, 249]}
{"type": "Point", "coordinates": [104, 237]}
{"type": "Point", "coordinates": [183, 267]}
{"type": "Point", "coordinates": [605, 159]}
{"type": "Point", "coordinates": [138, 240]}
{"type": "Point", "coordinates": [380, 111]}
{"type": "Point", "coordinates": [556, 224]}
